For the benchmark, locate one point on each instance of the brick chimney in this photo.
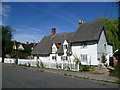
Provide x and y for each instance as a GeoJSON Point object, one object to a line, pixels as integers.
{"type": "Point", "coordinates": [27, 42]}
{"type": "Point", "coordinates": [53, 31]}
{"type": "Point", "coordinates": [14, 46]}
{"type": "Point", "coordinates": [80, 22]}
{"type": "Point", "coordinates": [14, 42]}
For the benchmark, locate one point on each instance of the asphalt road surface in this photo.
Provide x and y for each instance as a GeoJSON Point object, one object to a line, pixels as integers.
{"type": "Point", "coordinates": [16, 77]}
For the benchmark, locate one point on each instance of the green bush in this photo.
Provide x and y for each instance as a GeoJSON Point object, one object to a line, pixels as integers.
{"type": "Point", "coordinates": [42, 65]}
{"type": "Point", "coordinates": [57, 66]}
{"type": "Point", "coordinates": [16, 61]}
{"type": "Point", "coordinates": [116, 72]}
{"type": "Point", "coordinates": [84, 67]}
{"type": "Point", "coordinates": [38, 65]}
{"type": "Point", "coordinates": [103, 59]}
{"type": "Point", "coordinates": [21, 54]}
{"type": "Point", "coordinates": [68, 68]}
{"type": "Point", "coordinates": [23, 65]}
{"type": "Point", "coordinates": [76, 59]}
{"type": "Point", "coordinates": [60, 66]}
{"type": "Point", "coordinates": [29, 65]}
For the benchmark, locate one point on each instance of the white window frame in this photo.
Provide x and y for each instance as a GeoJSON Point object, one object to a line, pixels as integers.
{"type": "Point", "coordinates": [55, 58]}
{"type": "Point", "coordinates": [65, 46]}
{"type": "Point", "coordinates": [105, 45]}
{"type": "Point", "coordinates": [84, 58]}
{"type": "Point", "coordinates": [84, 45]}
{"type": "Point", "coordinates": [64, 58]}
{"type": "Point", "coordinates": [53, 49]}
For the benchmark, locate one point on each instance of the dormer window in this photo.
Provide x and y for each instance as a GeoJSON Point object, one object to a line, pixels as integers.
{"type": "Point", "coordinates": [65, 46]}
{"type": "Point", "coordinates": [105, 46]}
{"type": "Point", "coordinates": [53, 49]}
{"type": "Point", "coordinates": [83, 45]}
{"type": "Point", "coordinates": [64, 58]}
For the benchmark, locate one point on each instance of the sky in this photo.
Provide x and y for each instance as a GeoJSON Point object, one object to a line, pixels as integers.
{"type": "Point", "coordinates": [34, 20]}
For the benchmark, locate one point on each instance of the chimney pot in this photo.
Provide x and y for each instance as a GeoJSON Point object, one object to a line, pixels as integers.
{"type": "Point", "coordinates": [27, 42]}
{"type": "Point", "coordinates": [80, 22]}
{"type": "Point", "coordinates": [53, 31]}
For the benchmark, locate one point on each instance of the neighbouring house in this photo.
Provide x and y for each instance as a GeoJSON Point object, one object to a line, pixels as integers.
{"type": "Point", "coordinates": [89, 42]}
{"type": "Point", "coordinates": [23, 46]}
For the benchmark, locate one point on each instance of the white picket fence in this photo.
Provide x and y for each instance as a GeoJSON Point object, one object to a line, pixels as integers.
{"type": "Point", "coordinates": [54, 65]}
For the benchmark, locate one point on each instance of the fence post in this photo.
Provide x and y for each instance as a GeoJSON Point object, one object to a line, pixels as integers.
{"type": "Point", "coordinates": [78, 66]}
{"type": "Point", "coordinates": [62, 65]}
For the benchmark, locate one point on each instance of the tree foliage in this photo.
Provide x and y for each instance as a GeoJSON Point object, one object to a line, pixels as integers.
{"type": "Point", "coordinates": [112, 31]}
{"type": "Point", "coordinates": [103, 59]}
{"type": "Point", "coordinates": [21, 54]}
{"type": "Point", "coordinates": [6, 40]}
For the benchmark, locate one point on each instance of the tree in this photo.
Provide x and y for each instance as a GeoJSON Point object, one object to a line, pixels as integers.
{"type": "Point", "coordinates": [0, 41]}
{"type": "Point", "coordinates": [6, 41]}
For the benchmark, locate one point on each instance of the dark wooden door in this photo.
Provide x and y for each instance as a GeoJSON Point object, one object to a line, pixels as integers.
{"type": "Point", "coordinates": [111, 62]}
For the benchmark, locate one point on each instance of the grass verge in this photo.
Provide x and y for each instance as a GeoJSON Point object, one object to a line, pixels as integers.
{"type": "Point", "coordinates": [67, 74]}
{"type": "Point", "coordinates": [117, 81]}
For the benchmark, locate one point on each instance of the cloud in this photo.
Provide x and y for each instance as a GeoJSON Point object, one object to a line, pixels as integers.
{"type": "Point", "coordinates": [49, 13]}
{"type": "Point", "coordinates": [6, 9]}
{"type": "Point", "coordinates": [27, 35]}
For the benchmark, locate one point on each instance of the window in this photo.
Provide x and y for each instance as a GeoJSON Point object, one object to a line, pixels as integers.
{"type": "Point", "coordinates": [53, 57]}
{"type": "Point", "coordinates": [105, 46]}
{"type": "Point", "coordinates": [84, 57]}
{"type": "Point", "coordinates": [65, 46]}
{"type": "Point", "coordinates": [64, 58]}
{"type": "Point", "coordinates": [53, 49]}
{"type": "Point", "coordinates": [83, 45]}
{"type": "Point", "coordinates": [37, 57]}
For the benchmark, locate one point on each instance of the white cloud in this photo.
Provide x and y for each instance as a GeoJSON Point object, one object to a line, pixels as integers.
{"type": "Point", "coordinates": [58, 16]}
{"type": "Point", "coordinates": [27, 35]}
{"type": "Point", "coordinates": [6, 9]}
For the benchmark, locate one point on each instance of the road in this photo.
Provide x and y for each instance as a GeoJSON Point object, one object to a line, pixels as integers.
{"type": "Point", "coordinates": [16, 77]}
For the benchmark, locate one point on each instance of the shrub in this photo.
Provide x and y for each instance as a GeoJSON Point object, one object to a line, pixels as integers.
{"type": "Point", "coordinates": [38, 64]}
{"type": "Point", "coordinates": [57, 66]}
{"type": "Point", "coordinates": [76, 59]}
{"type": "Point", "coordinates": [19, 64]}
{"type": "Point", "coordinates": [103, 59]}
{"type": "Point", "coordinates": [23, 64]}
{"type": "Point", "coordinates": [41, 70]}
{"type": "Point", "coordinates": [60, 66]}
{"type": "Point", "coordinates": [19, 54]}
{"type": "Point", "coordinates": [16, 61]}
{"type": "Point", "coordinates": [84, 67]}
{"type": "Point", "coordinates": [116, 72]}
{"type": "Point", "coordinates": [42, 65]}
{"type": "Point", "coordinates": [68, 68]}
{"type": "Point", "coordinates": [29, 65]}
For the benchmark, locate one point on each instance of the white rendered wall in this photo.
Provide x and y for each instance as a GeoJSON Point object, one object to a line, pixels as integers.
{"type": "Point", "coordinates": [90, 50]}
{"type": "Point", "coordinates": [101, 48]}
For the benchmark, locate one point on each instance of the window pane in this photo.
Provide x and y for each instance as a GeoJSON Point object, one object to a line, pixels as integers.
{"type": "Point", "coordinates": [84, 57]}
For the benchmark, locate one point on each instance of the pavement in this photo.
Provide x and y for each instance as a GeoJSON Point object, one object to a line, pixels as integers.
{"type": "Point", "coordinates": [21, 77]}
{"type": "Point", "coordinates": [84, 75]}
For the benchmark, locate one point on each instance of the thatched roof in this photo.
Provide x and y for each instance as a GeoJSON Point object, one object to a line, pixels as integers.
{"type": "Point", "coordinates": [86, 32]}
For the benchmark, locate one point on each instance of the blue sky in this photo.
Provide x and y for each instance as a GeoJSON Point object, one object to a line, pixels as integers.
{"type": "Point", "coordinates": [33, 20]}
